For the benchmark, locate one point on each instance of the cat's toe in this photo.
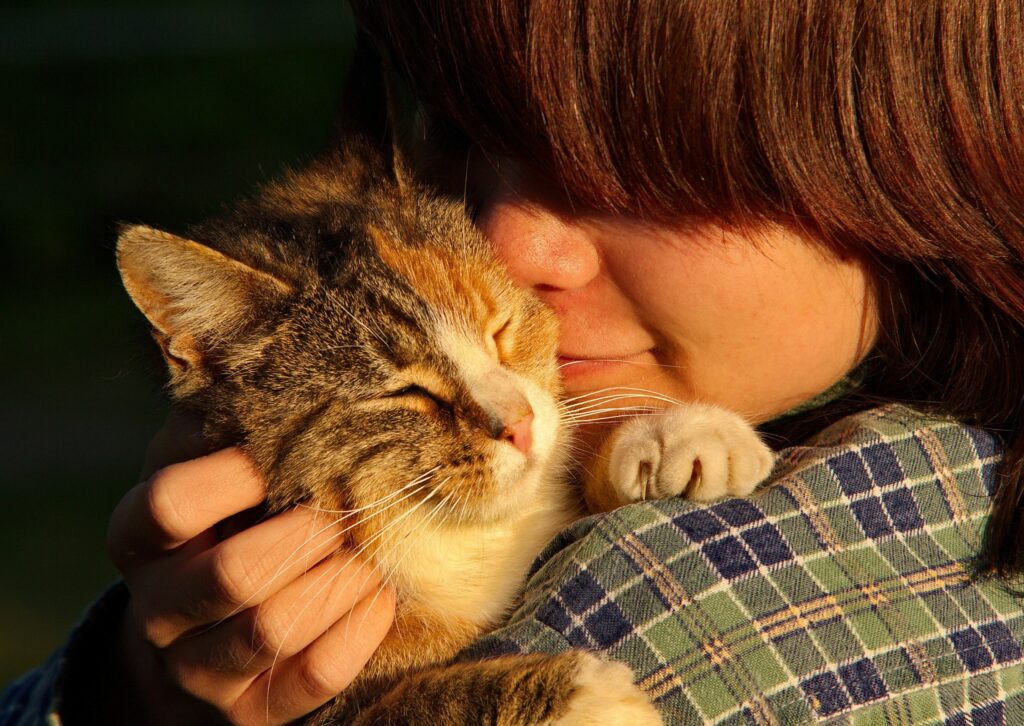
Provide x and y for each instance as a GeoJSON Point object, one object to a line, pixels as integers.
{"type": "Point", "coordinates": [696, 468]}
{"type": "Point", "coordinates": [635, 463]}
{"type": "Point", "coordinates": [604, 695]}
{"type": "Point", "coordinates": [750, 465]}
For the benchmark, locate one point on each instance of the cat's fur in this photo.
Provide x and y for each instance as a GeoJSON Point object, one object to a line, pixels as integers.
{"type": "Point", "coordinates": [355, 335]}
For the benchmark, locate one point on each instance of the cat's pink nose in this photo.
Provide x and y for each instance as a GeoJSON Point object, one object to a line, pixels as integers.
{"type": "Point", "coordinates": [520, 433]}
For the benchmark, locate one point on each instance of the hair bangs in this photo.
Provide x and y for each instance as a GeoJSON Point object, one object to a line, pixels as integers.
{"type": "Point", "coordinates": [632, 108]}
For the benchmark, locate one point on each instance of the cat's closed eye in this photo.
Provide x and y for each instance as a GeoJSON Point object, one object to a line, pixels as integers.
{"type": "Point", "coordinates": [419, 398]}
{"type": "Point", "coordinates": [500, 338]}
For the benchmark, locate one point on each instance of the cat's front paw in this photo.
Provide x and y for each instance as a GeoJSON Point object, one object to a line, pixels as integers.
{"type": "Point", "coordinates": [604, 695]}
{"type": "Point", "coordinates": [698, 451]}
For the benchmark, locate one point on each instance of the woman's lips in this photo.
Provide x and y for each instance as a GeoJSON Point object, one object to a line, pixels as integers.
{"type": "Point", "coordinates": [572, 367]}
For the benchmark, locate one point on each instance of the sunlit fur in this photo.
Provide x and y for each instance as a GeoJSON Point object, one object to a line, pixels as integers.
{"type": "Point", "coordinates": [363, 346]}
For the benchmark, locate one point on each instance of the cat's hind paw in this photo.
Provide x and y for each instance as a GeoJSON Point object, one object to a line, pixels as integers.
{"type": "Point", "coordinates": [698, 451]}
{"type": "Point", "coordinates": [604, 695]}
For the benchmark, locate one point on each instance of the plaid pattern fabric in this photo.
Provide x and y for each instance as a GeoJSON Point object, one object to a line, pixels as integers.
{"type": "Point", "coordinates": [840, 594]}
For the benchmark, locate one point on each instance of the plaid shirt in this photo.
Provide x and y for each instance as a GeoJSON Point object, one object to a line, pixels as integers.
{"type": "Point", "coordinates": [841, 593]}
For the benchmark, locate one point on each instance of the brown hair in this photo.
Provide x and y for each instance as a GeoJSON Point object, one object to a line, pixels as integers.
{"type": "Point", "coordinates": [892, 130]}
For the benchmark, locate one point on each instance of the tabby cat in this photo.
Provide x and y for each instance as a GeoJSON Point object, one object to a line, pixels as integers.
{"type": "Point", "coordinates": [354, 334]}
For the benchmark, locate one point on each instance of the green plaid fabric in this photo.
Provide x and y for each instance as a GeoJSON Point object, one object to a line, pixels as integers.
{"type": "Point", "coordinates": [842, 593]}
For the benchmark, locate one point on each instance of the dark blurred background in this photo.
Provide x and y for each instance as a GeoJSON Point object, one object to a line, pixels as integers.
{"type": "Point", "coordinates": [123, 111]}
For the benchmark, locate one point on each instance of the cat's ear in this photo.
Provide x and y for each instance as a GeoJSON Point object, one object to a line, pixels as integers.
{"type": "Point", "coordinates": [372, 108]}
{"type": "Point", "coordinates": [192, 295]}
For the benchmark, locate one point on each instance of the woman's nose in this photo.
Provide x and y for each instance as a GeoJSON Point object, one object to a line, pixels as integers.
{"type": "Point", "coordinates": [543, 250]}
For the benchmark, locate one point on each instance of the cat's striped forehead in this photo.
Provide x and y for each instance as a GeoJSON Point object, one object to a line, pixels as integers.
{"type": "Point", "coordinates": [458, 282]}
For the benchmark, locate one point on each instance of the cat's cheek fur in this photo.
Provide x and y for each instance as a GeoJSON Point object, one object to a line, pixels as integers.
{"type": "Point", "coordinates": [518, 480]}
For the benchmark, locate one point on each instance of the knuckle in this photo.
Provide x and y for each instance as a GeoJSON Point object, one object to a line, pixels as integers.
{"type": "Point", "coordinates": [269, 634]}
{"type": "Point", "coordinates": [233, 581]}
{"type": "Point", "coordinates": [319, 680]}
{"type": "Point", "coordinates": [163, 507]}
{"type": "Point", "coordinates": [157, 631]}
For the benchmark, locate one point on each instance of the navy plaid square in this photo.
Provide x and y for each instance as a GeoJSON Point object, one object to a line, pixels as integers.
{"type": "Point", "coordinates": [581, 592]}
{"type": "Point", "coordinates": [699, 525]}
{"type": "Point", "coordinates": [825, 693]}
{"type": "Point", "coordinates": [738, 512]}
{"type": "Point", "coordinates": [850, 473]}
{"type": "Point", "coordinates": [903, 510]}
{"type": "Point", "coordinates": [767, 544]}
{"type": "Point", "coordinates": [871, 517]}
{"type": "Point", "coordinates": [1001, 642]}
{"type": "Point", "coordinates": [554, 615]}
{"type": "Point", "coordinates": [862, 681]}
{"type": "Point", "coordinates": [985, 444]}
{"type": "Point", "coordinates": [885, 467]}
{"type": "Point", "coordinates": [607, 625]}
{"type": "Point", "coordinates": [990, 715]}
{"type": "Point", "coordinates": [729, 557]}
{"type": "Point", "coordinates": [971, 649]}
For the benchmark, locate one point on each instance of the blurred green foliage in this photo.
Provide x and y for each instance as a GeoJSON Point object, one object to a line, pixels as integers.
{"type": "Point", "coordinates": [129, 111]}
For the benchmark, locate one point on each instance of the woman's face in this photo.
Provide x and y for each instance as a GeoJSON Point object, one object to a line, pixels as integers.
{"type": "Point", "coordinates": [755, 322]}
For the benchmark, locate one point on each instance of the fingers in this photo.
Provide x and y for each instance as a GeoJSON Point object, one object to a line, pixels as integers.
{"type": "Point", "coordinates": [273, 609]}
{"type": "Point", "coordinates": [180, 502]}
{"type": "Point", "coordinates": [179, 439]}
{"type": "Point", "coordinates": [324, 669]}
{"type": "Point", "coordinates": [219, 664]}
{"type": "Point", "coordinates": [184, 590]}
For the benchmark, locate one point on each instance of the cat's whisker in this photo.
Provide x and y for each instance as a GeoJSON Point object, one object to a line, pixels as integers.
{"type": "Point", "coordinates": [589, 394]}
{"type": "Point", "coordinates": [400, 518]}
{"type": "Point", "coordinates": [618, 360]}
{"type": "Point", "coordinates": [411, 544]}
{"type": "Point", "coordinates": [393, 568]}
{"type": "Point", "coordinates": [249, 600]}
{"type": "Point", "coordinates": [639, 410]}
{"type": "Point", "coordinates": [608, 419]}
{"type": "Point", "coordinates": [418, 480]}
{"type": "Point", "coordinates": [385, 554]}
{"type": "Point", "coordinates": [360, 548]}
{"type": "Point", "coordinates": [356, 346]}
{"type": "Point", "coordinates": [583, 405]}
{"type": "Point", "coordinates": [338, 535]}
{"type": "Point", "coordinates": [630, 389]}
{"type": "Point", "coordinates": [634, 389]}
{"type": "Point", "coordinates": [584, 412]}
{"type": "Point", "coordinates": [315, 598]}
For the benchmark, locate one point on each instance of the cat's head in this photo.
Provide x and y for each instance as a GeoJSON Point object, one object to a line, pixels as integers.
{"type": "Point", "coordinates": [358, 338]}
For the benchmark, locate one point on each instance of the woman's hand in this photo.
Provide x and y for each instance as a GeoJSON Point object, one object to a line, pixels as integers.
{"type": "Point", "coordinates": [264, 625]}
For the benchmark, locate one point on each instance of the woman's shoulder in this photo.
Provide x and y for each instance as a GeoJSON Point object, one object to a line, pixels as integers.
{"type": "Point", "coordinates": [895, 470]}
{"type": "Point", "coordinates": [880, 473]}
{"type": "Point", "coordinates": [844, 585]}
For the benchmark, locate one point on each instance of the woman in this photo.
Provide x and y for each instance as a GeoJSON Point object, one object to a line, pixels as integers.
{"type": "Point", "coordinates": [812, 215]}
